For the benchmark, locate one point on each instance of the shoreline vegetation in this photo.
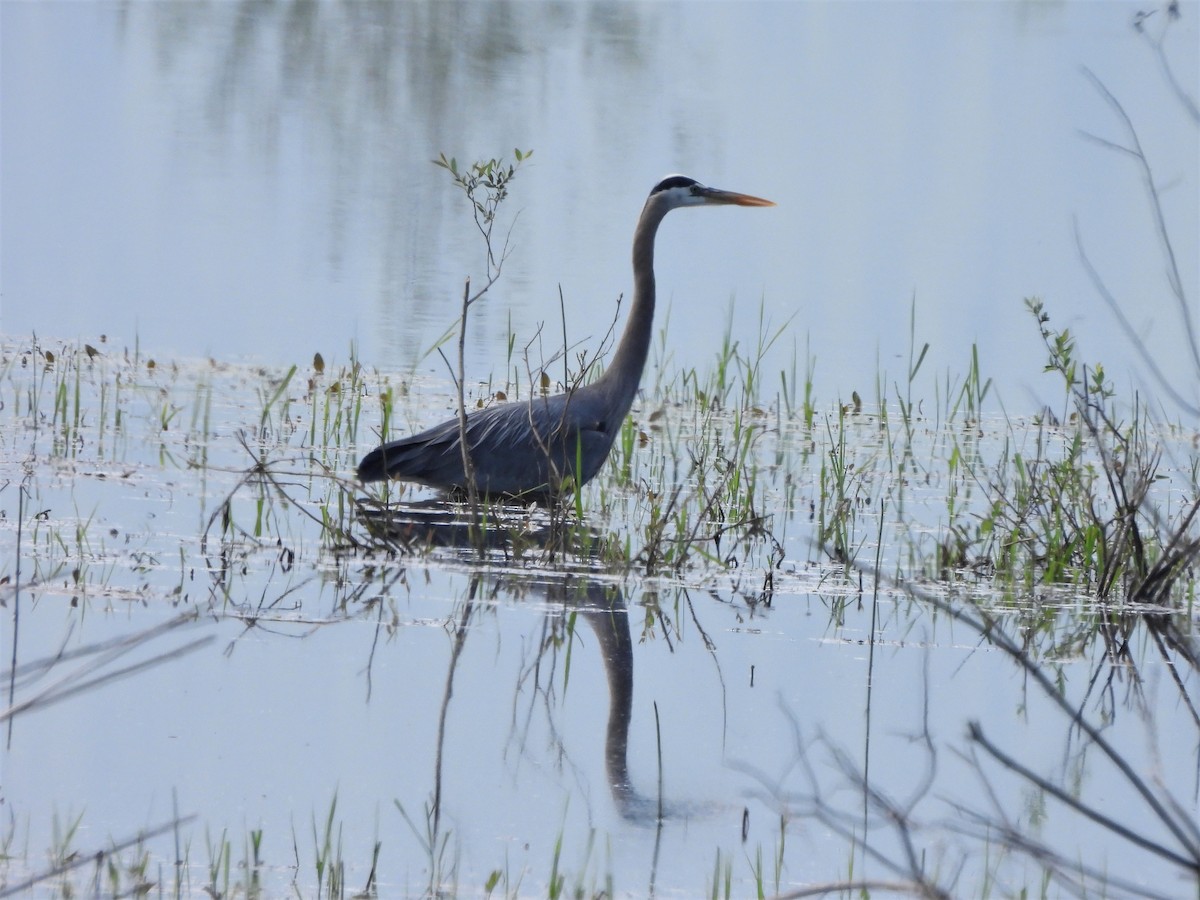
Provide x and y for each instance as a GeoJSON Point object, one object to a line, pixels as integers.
{"type": "Point", "coordinates": [1061, 536]}
{"type": "Point", "coordinates": [1070, 535]}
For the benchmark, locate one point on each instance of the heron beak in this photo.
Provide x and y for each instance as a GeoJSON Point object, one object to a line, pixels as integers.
{"type": "Point", "coordinates": [715, 197]}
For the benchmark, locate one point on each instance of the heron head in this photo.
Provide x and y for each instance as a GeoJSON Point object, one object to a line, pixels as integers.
{"type": "Point", "coordinates": [679, 190]}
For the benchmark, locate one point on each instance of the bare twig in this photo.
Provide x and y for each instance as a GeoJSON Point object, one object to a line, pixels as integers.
{"type": "Point", "coordinates": [862, 886]}
{"type": "Point", "coordinates": [464, 446]}
{"type": "Point", "coordinates": [975, 731]}
{"type": "Point", "coordinates": [1174, 279]}
{"type": "Point", "coordinates": [1158, 45]}
{"type": "Point", "coordinates": [102, 654]}
{"type": "Point", "coordinates": [985, 625]}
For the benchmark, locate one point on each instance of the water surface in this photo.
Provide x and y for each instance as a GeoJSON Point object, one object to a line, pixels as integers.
{"type": "Point", "coordinates": [250, 180]}
{"type": "Point", "coordinates": [292, 669]}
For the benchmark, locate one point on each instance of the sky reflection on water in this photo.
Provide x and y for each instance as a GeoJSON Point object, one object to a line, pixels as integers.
{"type": "Point", "coordinates": [253, 180]}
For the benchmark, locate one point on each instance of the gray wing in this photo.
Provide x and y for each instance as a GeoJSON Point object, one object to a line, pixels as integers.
{"type": "Point", "coordinates": [517, 448]}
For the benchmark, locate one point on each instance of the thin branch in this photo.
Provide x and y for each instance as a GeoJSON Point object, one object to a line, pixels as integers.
{"type": "Point", "coordinates": [976, 734]}
{"type": "Point", "coordinates": [1173, 276]}
{"type": "Point", "coordinates": [1071, 871]}
{"type": "Point", "coordinates": [988, 627]}
{"type": "Point", "coordinates": [62, 690]}
{"type": "Point", "coordinates": [102, 654]}
{"type": "Point", "coordinates": [463, 445]}
{"type": "Point", "coordinates": [1158, 45]}
{"type": "Point", "coordinates": [1138, 344]}
{"type": "Point", "coordinates": [862, 886]}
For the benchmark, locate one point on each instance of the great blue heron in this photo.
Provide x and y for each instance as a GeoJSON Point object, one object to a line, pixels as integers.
{"type": "Point", "coordinates": [539, 446]}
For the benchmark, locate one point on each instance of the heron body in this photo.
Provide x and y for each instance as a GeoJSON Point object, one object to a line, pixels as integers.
{"type": "Point", "coordinates": [540, 446]}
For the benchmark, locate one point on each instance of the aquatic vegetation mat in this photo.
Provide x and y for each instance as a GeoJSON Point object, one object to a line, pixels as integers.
{"type": "Point", "coordinates": [183, 523]}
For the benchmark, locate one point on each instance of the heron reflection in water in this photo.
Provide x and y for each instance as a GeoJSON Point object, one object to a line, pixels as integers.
{"type": "Point", "coordinates": [541, 446]}
{"type": "Point", "coordinates": [430, 527]}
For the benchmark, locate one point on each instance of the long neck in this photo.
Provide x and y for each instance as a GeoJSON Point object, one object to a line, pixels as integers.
{"type": "Point", "coordinates": [621, 378]}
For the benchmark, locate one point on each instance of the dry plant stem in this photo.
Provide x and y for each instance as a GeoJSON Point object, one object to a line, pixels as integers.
{"type": "Point", "coordinates": [261, 471]}
{"type": "Point", "coordinates": [1178, 552]}
{"type": "Point", "coordinates": [1174, 279]}
{"type": "Point", "coordinates": [1189, 842]}
{"type": "Point", "coordinates": [570, 385]}
{"type": "Point", "coordinates": [989, 629]}
{"type": "Point", "coordinates": [60, 691]}
{"type": "Point", "coordinates": [490, 178]}
{"type": "Point", "coordinates": [468, 463]}
{"type": "Point", "coordinates": [863, 887]}
{"type": "Point", "coordinates": [562, 312]}
{"type": "Point", "coordinates": [1158, 45]}
{"type": "Point", "coordinates": [459, 376]}
{"type": "Point", "coordinates": [103, 654]}
{"type": "Point", "coordinates": [976, 734]}
{"type": "Point", "coordinates": [910, 868]}
{"type": "Point", "coordinates": [12, 675]}
{"type": "Point", "coordinates": [1015, 838]}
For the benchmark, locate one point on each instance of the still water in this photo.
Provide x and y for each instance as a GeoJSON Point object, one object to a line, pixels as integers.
{"type": "Point", "coordinates": [251, 183]}
{"type": "Point", "coordinates": [249, 180]}
{"type": "Point", "coordinates": [191, 643]}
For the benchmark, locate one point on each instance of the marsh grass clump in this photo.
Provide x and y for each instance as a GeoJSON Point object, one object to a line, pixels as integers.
{"type": "Point", "coordinates": [1070, 538]}
{"type": "Point", "coordinates": [700, 503]}
{"type": "Point", "coordinates": [689, 484]}
{"type": "Point", "coordinates": [108, 440]}
{"type": "Point", "coordinates": [335, 400]}
{"type": "Point", "coordinates": [1100, 496]}
{"type": "Point", "coordinates": [1080, 499]}
{"type": "Point", "coordinates": [1107, 523]}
